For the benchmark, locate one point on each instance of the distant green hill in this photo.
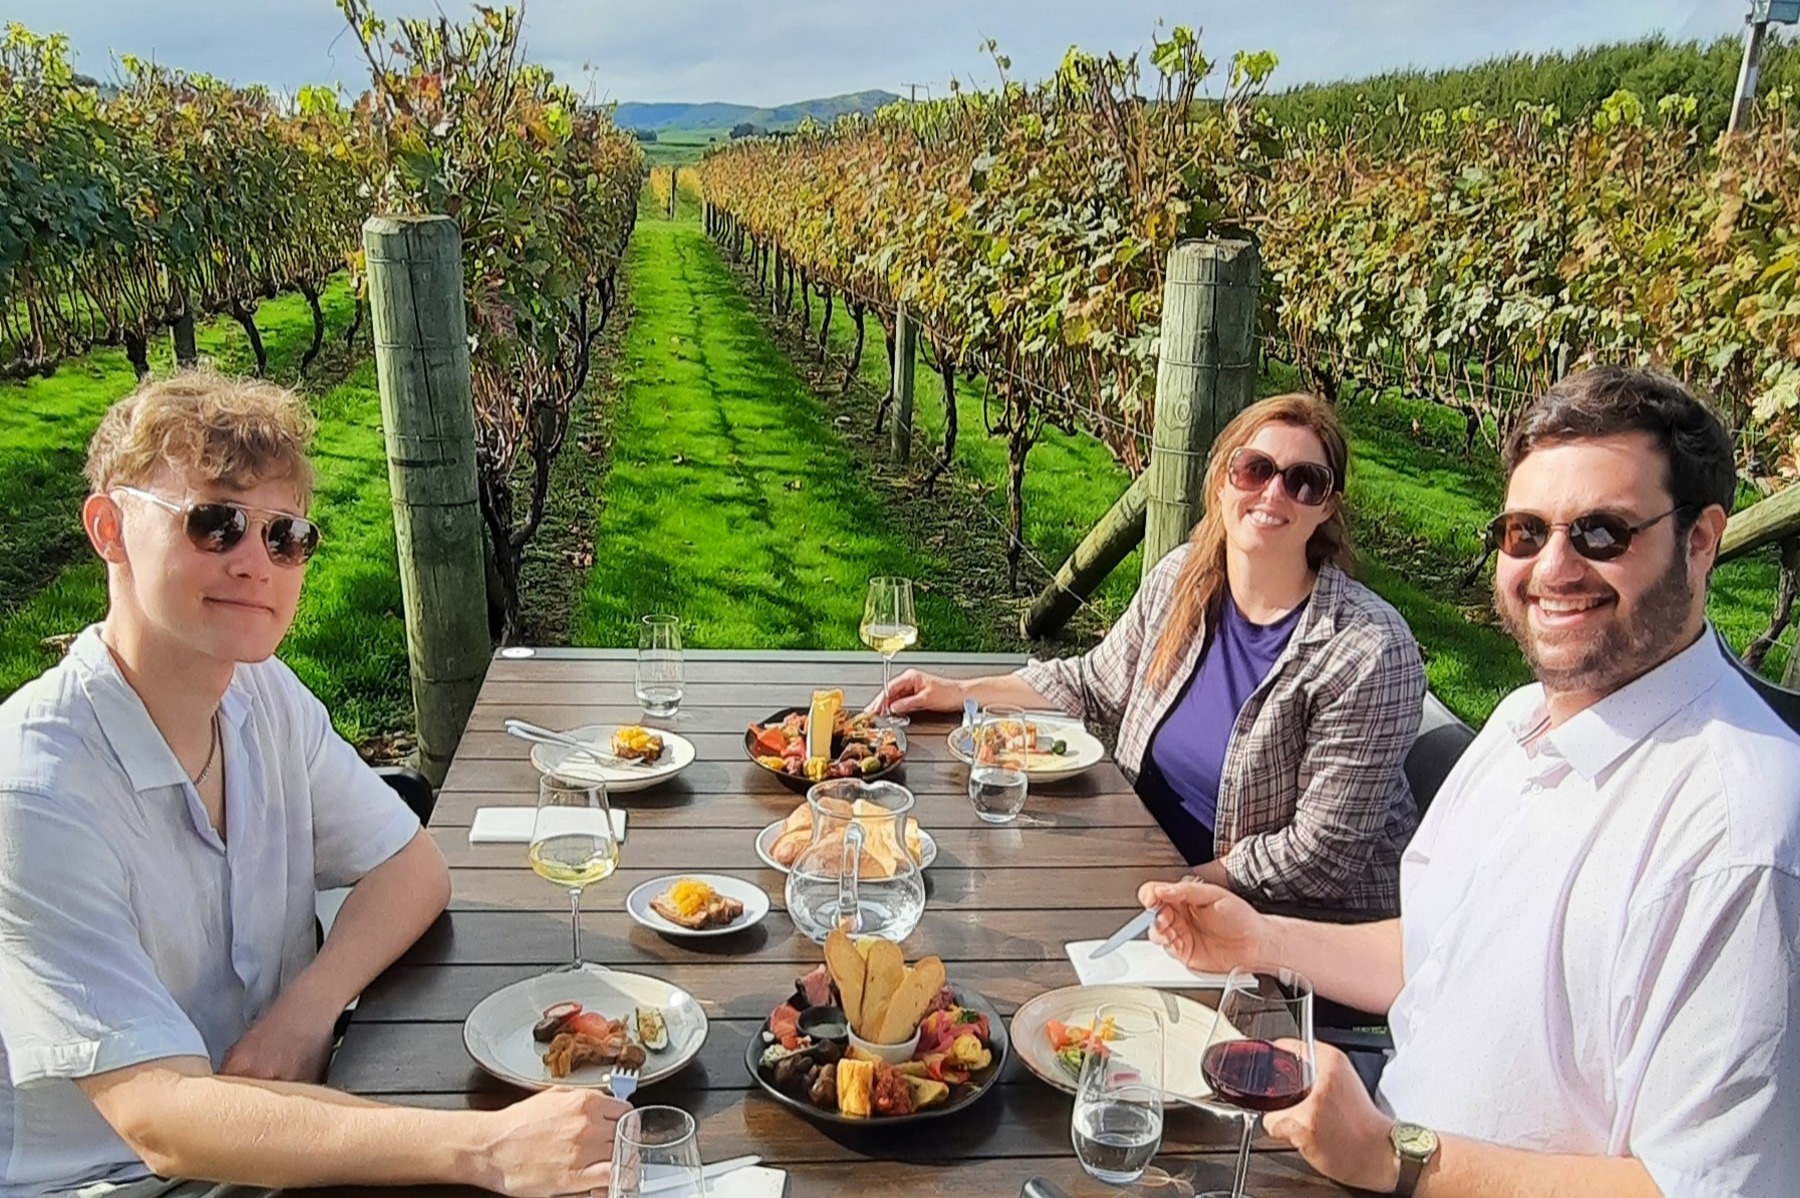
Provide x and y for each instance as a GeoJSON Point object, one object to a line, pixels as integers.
{"type": "Point", "coordinates": [683, 118]}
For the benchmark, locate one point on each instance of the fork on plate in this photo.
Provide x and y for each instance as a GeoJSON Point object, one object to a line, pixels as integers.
{"type": "Point", "coordinates": [623, 1083]}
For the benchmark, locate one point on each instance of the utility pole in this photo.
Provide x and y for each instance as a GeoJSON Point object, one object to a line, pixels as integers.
{"type": "Point", "coordinates": [914, 87]}
{"type": "Point", "coordinates": [1763, 13]}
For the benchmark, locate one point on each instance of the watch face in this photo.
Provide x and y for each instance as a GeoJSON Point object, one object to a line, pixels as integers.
{"type": "Point", "coordinates": [1414, 1141]}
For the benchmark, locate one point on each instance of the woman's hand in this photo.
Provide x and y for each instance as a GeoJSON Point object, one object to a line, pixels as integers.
{"type": "Point", "coordinates": [1208, 928]}
{"type": "Point", "coordinates": [915, 690]}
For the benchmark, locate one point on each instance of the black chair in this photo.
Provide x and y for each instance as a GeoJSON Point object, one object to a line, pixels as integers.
{"type": "Point", "coordinates": [412, 787]}
{"type": "Point", "coordinates": [1441, 741]}
{"type": "Point", "coordinates": [1782, 701]}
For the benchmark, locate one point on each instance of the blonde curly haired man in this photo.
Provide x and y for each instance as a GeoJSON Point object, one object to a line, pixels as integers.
{"type": "Point", "coordinates": [171, 799]}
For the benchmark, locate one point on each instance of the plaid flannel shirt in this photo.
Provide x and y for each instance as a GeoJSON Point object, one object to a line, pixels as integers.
{"type": "Point", "coordinates": [1313, 805]}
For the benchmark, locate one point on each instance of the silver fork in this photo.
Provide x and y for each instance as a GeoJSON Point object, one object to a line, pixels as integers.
{"type": "Point", "coordinates": [623, 1083]}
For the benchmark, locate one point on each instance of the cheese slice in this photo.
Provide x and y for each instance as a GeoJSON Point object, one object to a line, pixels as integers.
{"type": "Point", "coordinates": [825, 707]}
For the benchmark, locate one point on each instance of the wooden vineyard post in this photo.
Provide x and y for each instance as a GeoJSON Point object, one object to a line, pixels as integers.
{"type": "Point", "coordinates": [674, 183]}
{"type": "Point", "coordinates": [428, 417]}
{"type": "Point", "coordinates": [1106, 545]}
{"type": "Point", "coordinates": [901, 373]}
{"type": "Point", "coordinates": [1205, 375]}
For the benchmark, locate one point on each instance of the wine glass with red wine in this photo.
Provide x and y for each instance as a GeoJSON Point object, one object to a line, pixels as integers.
{"type": "Point", "coordinates": [1260, 1054]}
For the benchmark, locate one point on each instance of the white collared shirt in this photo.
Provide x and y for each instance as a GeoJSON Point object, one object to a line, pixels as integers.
{"type": "Point", "coordinates": [1602, 930]}
{"type": "Point", "coordinates": [129, 931]}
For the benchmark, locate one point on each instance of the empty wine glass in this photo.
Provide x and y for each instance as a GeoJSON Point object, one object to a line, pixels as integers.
{"type": "Point", "coordinates": [656, 1150]}
{"type": "Point", "coordinates": [659, 672]}
{"type": "Point", "coordinates": [888, 626]}
{"type": "Point", "coordinates": [572, 841]}
{"type": "Point", "coordinates": [1260, 1054]}
{"type": "Point", "coordinates": [1117, 1123]}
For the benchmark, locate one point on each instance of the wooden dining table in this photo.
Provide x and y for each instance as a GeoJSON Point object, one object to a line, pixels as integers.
{"type": "Point", "coordinates": [1002, 901]}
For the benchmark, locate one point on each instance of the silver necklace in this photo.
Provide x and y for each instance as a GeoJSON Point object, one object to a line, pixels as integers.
{"type": "Point", "coordinates": [212, 753]}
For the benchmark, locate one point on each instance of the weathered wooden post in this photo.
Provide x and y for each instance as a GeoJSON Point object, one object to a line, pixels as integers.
{"type": "Point", "coordinates": [674, 182]}
{"type": "Point", "coordinates": [428, 416]}
{"type": "Point", "coordinates": [1205, 375]}
{"type": "Point", "coordinates": [1106, 545]}
{"type": "Point", "coordinates": [901, 374]}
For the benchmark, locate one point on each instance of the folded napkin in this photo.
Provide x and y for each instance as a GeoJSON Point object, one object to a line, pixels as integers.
{"type": "Point", "coordinates": [1136, 963]}
{"type": "Point", "coordinates": [752, 1181]}
{"type": "Point", "coordinates": [512, 825]}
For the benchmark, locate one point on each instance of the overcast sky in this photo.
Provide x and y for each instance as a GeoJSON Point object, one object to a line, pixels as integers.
{"type": "Point", "coordinates": [776, 51]}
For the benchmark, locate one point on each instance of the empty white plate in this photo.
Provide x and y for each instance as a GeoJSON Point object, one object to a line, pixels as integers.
{"type": "Point", "coordinates": [497, 1032]}
{"type": "Point", "coordinates": [756, 904]}
{"type": "Point", "coordinates": [564, 762]}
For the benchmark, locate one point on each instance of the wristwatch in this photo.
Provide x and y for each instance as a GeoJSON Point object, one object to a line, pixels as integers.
{"type": "Point", "coordinates": [1415, 1146]}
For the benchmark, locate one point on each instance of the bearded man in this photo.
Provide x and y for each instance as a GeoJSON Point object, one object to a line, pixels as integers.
{"type": "Point", "coordinates": [1592, 982]}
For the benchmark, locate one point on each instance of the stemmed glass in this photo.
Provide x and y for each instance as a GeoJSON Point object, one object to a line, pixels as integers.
{"type": "Point", "coordinates": [572, 841]}
{"type": "Point", "coordinates": [1260, 1055]}
{"type": "Point", "coordinates": [1117, 1123]}
{"type": "Point", "coordinates": [888, 626]}
{"type": "Point", "coordinates": [655, 1150]}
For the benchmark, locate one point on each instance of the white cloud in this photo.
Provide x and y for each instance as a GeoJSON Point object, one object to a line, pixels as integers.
{"type": "Point", "coordinates": [784, 50]}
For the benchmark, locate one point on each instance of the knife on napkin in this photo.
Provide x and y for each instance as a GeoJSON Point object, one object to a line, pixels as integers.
{"type": "Point", "coordinates": [1131, 931]}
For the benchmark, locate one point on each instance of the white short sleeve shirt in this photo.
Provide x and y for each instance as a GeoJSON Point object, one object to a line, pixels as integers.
{"type": "Point", "coordinates": [129, 931]}
{"type": "Point", "coordinates": [1602, 931]}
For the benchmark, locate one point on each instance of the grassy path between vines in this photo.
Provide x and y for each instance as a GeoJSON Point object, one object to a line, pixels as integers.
{"type": "Point", "coordinates": [730, 500]}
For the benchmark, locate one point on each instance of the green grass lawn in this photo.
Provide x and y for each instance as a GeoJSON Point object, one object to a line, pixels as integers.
{"type": "Point", "coordinates": [348, 641]}
{"type": "Point", "coordinates": [730, 500]}
{"type": "Point", "coordinates": [1417, 505]}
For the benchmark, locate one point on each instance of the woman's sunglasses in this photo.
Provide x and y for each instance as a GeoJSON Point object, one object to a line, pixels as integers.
{"type": "Point", "coordinates": [218, 527]}
{"type": "Point", "coordinates": [1306, 483]}
{"type": "Point", "coordinates": [1597, 536]}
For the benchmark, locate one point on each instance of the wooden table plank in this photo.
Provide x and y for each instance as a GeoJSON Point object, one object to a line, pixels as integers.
{"type": "Point", "coordinates": [968, 848]}
{"type": "Point", "coordinates": [1001, 903]}
{"type": "Point", "coordinates": [1066, 888]}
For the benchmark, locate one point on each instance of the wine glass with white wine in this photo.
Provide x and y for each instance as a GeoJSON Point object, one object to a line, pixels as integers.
{"type": "Point", "coordinates": [572, 841]}
{"type": "Point", "coordinates": [888, 626]}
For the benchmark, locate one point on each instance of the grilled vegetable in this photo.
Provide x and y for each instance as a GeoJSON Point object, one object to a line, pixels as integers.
{"type": "Point", "coordinates": [652, 1029]}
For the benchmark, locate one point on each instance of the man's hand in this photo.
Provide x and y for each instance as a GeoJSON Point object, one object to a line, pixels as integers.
{"type": "Point", "coordinates": [1337, 1128]}
{"type": "Point", "coordinates": [915, 690]}
{"type": "Point", "coordinates": [290, 1043]}
{"type": "Point", "coordinates": [1208, 928]}
{"type": "Point", "coordinates": [556, 1142]}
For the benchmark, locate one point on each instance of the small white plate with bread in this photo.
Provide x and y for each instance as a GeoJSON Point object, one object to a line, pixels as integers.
{"type": "Point", "coordinates": [697, 904]}
{"type": "Point", "coordinates": [781, 843]}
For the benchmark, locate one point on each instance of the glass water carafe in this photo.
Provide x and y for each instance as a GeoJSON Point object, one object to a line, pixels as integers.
{"type": "Point", "coordinates": [857, 872]}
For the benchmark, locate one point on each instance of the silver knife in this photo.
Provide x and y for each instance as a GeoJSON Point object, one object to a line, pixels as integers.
{"type": "Point", "coordinates": [1131, 931]}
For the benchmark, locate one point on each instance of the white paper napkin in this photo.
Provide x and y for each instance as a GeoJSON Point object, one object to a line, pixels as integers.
{"type": "Point", "coordinates": [752, 1181]}
{"type": "Point", "coordinates": [512, 825]}
{"type": "Point", "coordinates": [1136, 963]}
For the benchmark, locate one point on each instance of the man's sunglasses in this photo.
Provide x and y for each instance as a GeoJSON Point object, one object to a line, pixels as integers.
{"type": "Point", "coordinates": [1306, 483]}
{"type": "Point", "coordinates": [1597, 536]}
{"type": "Point", "coordinates": [218, 527]}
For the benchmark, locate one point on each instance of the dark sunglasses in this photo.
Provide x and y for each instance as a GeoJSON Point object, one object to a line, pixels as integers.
{"type": "Point", "coordinates": [1306, 483]}
{"type": "Point", "coordinates": [1597, 536]}
{"type": "Point", "coordinates": [218, 527]}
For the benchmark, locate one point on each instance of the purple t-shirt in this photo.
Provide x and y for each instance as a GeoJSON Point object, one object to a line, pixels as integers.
{"type": "Point", "coordinates": [1189, 748]}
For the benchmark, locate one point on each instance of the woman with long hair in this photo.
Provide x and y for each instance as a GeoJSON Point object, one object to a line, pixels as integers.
{"type": "Point", "coordinates": [1265, 701]}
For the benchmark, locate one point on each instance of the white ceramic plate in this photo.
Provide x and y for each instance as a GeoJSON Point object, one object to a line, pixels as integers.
{"type": "Point", "coordinates": [1187, 1031]}
{"type": "Point", "coordinates": [765, 840]}
{"type": "Point", "coordinates": [564, 762]}
{"type": "Point", "coordinates": [1084, 749]}
{"type": "Point", "coordinates": [497, 1032]}
{"type": "Point", "coordinates": [756, 904]}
